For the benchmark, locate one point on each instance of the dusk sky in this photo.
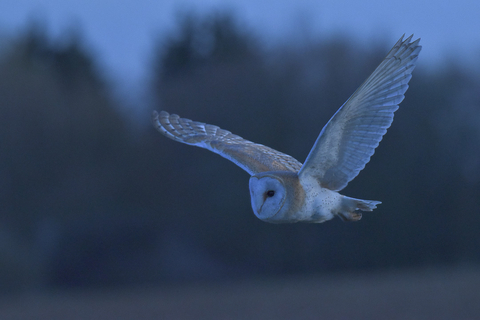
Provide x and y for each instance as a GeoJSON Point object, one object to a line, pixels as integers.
{"type": "Point", "coordinates": [122, 33]}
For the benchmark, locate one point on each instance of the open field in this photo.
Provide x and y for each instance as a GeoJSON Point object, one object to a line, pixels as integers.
{"type": "Point", "coordinates": [423, 294]}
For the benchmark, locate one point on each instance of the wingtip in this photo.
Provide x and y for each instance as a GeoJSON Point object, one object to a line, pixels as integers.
{"type": "Point", "coordinates": [409, 38]}
{"type": "Point", "coordinates": [407, 47]}
{"type": "Point", "coordinates": [157, 120]}
{"type": "Point", "coordinates": [154, 115]}
{"type": "Point", "coordinates": [414, 43]}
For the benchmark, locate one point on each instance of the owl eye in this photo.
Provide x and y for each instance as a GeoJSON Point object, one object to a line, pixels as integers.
{"type": "Point", "coordinates": [270, 193]}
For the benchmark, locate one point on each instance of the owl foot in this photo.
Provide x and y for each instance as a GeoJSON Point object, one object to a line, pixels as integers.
{"type": "Point", "coordinates": [349, 206]}
{"type": "Point", "coordinates": [350, 216]}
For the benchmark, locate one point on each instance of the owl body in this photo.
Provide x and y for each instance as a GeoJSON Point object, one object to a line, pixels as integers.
{"type": "Point", "coordinates": [284, 190]}
{"type": "Point", "coordinates": [284, 197]}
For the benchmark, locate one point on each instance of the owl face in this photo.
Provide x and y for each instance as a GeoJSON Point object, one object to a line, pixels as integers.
{"type": "Point", "coordinates": [268, 195]}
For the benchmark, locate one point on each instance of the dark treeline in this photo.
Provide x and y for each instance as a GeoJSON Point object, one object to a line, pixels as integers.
{"type": "Point", "coordinates": [86, 201]}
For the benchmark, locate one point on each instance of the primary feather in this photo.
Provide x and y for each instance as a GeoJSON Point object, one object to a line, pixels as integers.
{"type": "Point", "coordinates": [350, 137]}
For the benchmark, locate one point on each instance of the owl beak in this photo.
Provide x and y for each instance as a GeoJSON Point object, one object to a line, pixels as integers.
{"type": "Point", "coordinates": [260, 209]}
{"type": "Point", "coordinates": [257, 203]}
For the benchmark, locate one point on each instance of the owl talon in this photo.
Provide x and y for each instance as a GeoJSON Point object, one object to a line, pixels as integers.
{"type": "Point", "coordinates": [350, 216]}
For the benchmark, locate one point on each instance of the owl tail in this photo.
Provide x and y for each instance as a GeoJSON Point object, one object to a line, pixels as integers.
{"type": "Point", "coordinates": [349, 208]}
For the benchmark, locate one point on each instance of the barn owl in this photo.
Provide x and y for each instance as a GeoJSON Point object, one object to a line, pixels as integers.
{"type": "Point", "coordinates": [282, 190]}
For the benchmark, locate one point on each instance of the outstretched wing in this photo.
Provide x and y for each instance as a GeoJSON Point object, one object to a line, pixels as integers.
{"type": "Point", "coordinates": [251, 157]}
{"type": "Point", "coordinates": [350, 137]}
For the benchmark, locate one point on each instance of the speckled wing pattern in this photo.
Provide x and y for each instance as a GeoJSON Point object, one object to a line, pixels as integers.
{"type": "Point", "coordinates": [251, 157]}
{"type": "Point", "coordinates": [350, 137]}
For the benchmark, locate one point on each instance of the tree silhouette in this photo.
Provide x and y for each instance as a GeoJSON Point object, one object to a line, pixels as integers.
{"type": "Point", "coordinates": [202, 40]}
{"type": "Point", "coordinates": [60, 136]}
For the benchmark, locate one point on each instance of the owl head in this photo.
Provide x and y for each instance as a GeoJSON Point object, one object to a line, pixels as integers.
{"type": "Point", "coordinates": [273, 194]}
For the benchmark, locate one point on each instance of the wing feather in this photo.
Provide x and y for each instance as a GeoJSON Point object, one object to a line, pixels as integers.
{"type": "Point", "coordinates": [251, 157]}
{"type": "Point", "coordinates": [350, 137]}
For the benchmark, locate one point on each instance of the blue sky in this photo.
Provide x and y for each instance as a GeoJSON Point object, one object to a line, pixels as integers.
{"type": "Point", "coordinates": [122, 32]}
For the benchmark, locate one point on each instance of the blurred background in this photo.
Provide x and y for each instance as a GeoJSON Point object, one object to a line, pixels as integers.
{"type": "Point", "coordinates": [95, 203]}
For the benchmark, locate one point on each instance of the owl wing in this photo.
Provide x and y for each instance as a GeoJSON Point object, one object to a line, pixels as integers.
{"type": "Point", "coordinates": [251, 157]}
{"type": "Point", "coordinates": [350, 137]}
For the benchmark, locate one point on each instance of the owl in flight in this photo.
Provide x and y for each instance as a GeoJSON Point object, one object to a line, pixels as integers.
{"type": "Point", "coordinates": [284, 190]}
